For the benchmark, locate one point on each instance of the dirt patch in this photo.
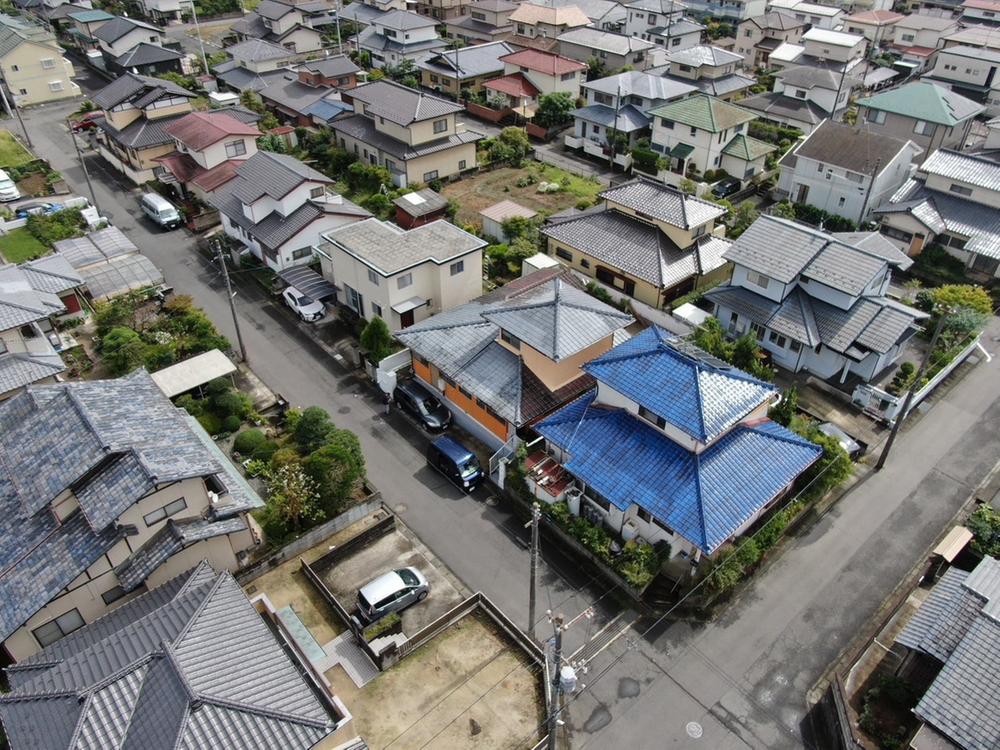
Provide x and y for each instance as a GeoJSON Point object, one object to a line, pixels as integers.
{"type": "Point", "coordinates": [476, 690]}
{"type": "Point", "coordinates": [34, 185]}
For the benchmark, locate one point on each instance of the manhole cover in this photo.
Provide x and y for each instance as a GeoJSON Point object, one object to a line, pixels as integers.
{"type": "Point", "coordinates": [401, 508]}
{"type": "Point", "coordinates": [344, 410]}
{"type": "Point", "coordinates": [492, 501]}
{"type": "Point", "coordinates": [694, 730]}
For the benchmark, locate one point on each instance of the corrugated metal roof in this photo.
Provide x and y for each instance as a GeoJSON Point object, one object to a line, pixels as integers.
{"type": "Point", "coordinates": [968, 168]}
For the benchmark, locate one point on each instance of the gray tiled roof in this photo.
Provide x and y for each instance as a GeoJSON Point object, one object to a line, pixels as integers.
{"type": "Point", "coordinates": [145, 53]}
{"type": "Point", "coordinates": [596, 39]}
{"type": "Point", "coordinates": [136, 88]}
{"type": "Point", "coordinates": [193, 665]}
{"type": "Point", "coordinates": [938, 625]}
{"type": "Point", "coordinates": [857, 149]}
{"type": "Point", "coordinates": [808, 77]}
{"type": "Point", "coordinates": [20, 369]}
{"type": "Point", "coordinates": [467, 62]}
{"type": "Point", "coordinates": [362, 128]}
{"type": "Point", "coordinates": [626, 119]}
{"type": "Point", "coordinates": [421, 202]}
{"type": "Point", "coordinates": [878, 244]}
{"type": "Point", "coordinates": [968, 168]}
{"type": "Point", "coordinates": [273, 10]}
{"type": "Point", "coordinates": [703, 54]}
{"type": "Point", "coordinates": [789, 107]}
{"type": "Point", "coordinates": [292, 94]}
{"type": "Point", "coordinates": [333, 66]}
{"type": "Point", "coordinates": [141, 133]}
{"type": "Point", "coordinates": [719, 86]}
{"type": "Point", "coordinates": [402, 20]}
{"type": "Point", "coordinates": [240, 78]}
{"type": "Point", "coordinates": [663, 203]}
{"type": "Point", "coordinates": [258, 50]}
{"type": "Point", "coordinates": [274, 175]}
{"type": "Point", "coordinates": [25, 294]}
{"type": "Point", "coordinates": [639, 83]}
{"type": "Point", "coordinates": [401, 104]}
{"type": "Point", "coordinates": [113, 30]}
{"type": "Point", "coordinates": [390, 249]}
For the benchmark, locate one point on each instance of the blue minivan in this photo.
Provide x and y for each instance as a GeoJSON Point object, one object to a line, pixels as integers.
{"type": "Point", "coordinates": [456, 462]}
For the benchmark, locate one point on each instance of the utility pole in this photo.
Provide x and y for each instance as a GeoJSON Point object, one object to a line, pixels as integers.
{"type": "Point", "coordinates": [909, 394]}
{"type": "Point", "coordinates": [614, 131]}
{"type": "Point", "coordinates": [201, 42]}
{"type": "Point", "coordinates": [83, 163]}
{"type": "Point", "coordinates": [232, 304]}
{"type": "Point", "coordinates": [557, 627]}
{"type": "Point", "coordinates": [340, 39]}
{"type": "Point", "coordinates": [16, 112]}
{"type": "Point", "coordinates": [868, 194]}
{"type": "Point", "coordinates": [536, 515]}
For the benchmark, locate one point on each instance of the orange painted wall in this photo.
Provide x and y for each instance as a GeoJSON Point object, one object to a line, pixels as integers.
{"type": "Point", "coordinates": [428, 373]}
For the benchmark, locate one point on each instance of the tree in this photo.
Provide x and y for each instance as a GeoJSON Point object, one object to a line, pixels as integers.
{"type": "Point", "coordinates": [787, 408]}
{"type": "Point", "coordinates": [312, 429]}
{"type": "Point", "coordinates": [336, 468]}
{"type": "Point", "coordinates": [376, 339]}
{"type": "Point", "coordinates": [123, 350]}
{"type": "Point", "coordinates": [783, 210]}
{"type": "Point", "coordinates": [252, 101]}
{"type": "Point", "coordinates": [711, 337]}
{"type": "Point", "coordinates": [510, 147]}
{"type": "Point", "coordinates": [954, 296]}
{"type": "Point", "coordinates": [985, 527]}
{"type": "Point", "coordinates": [595, 69]}
{"type": "Point", "coordinates": [272, 143]}
{"type": "Point", "coordinates": [376, 75]}
{"type": "Point", "coordinates": [292, 496]}
{"type": "Point", "coordinates": [554, 110]}
{"type": "Point", "coordinates": [62, 225]}
{"type": "Point", "coordinates": [405, 72]}
{"type": "Point", "coordinates": [744, 215]}
{"type": "Point", "coordinates": [746, 355]}
{"type": "Point", "coordinates": [688, 187]}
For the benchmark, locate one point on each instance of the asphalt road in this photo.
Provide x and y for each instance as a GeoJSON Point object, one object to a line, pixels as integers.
{"type": "Point", "coordinates": [739, 682]}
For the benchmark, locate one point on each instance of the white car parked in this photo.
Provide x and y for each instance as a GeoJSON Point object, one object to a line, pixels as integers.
{"type": "Point", "coordinates": [305, 307]}
{"type": "Point", "coordinates": [8, 190]}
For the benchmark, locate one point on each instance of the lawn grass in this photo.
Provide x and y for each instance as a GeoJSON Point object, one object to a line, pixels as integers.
{"type": "Point", "coordinates": [21, 245]}
{"type": "Point", "coordinates": [12, 153]}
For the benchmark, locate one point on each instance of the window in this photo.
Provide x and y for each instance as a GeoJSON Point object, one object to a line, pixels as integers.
{"type": "Point", "coordinates": [800, 94]}
{"type": "Point", "coordinates": [428, 176]}
{"type": "Point", "coordinates": [317, 192]}
{"type": "Point", "coordinates": [440, 126]}
{"type": "Point", "coordinates": [841, 201]}
{"type": "Point", "coordinates": [15, 68]}
{"type": "Point", "coordinates": [596, 130]}
{"type": "Point", "coordinates": [908, 37]}
{"type": "Point", "coordinates": [694, 131]}
{"type": "Point", "coordinates": [55, 629]}
{"type": "Point", "coordinates": [457, 267]}
{"type": "Point", "coordinates": [404, 281]}
{"type": "Point", "coordinates": [651, 19]}
{"type": "Point", "coordinates": [372, 277]}
{"type": "Point", "coordinates": [876, 117]}
{"type": "Point", "coordinates": [652, 418]}
{"type": "Point", "coordinates": [48, 63]}
{"type": "Point", "coordinates": [376, 310]}
{"type": "Point", "coordinates": [758, 279]}
{"type": "Point", "coordinates": [564, 254]}
{"type": "Point", "coordinates": [461, 164]}
{"type": "Point", "coordinates": [644, 515]}
{"type": "Point", "coordinates": [55, 86]}
{"type": "Point", "coordinates": [748, 33]}
{"type": "Point", "coordinates": [22, 92]}
{"type": "Point", "coordinates": [302, 252]}
{"type": "Point", "coordinates": [435, 79]}
{"type": "Point", "coordinates": [166, 511]}
{"type": "Point", "coordinates": [777, 339]}
{"type": "Point", "coordinates": [734, 320]}
{"type": "Point", "coordinates": [389, 33]}
{"type": "Point", "coordinates": [668, 124]}
{"type": "Point", "coordinates": [602, 98]}
{"type": "Point", "coordinates": [819, 167]}
{"type": "Point", "coordinates": [923, 128]}
{"type": "Point", "coordinates": [584, 263]}
{"type": "Point", "coordinates": [757, 330]}
{"type": "Point", "coordinates": [510, 339]}
{"type": "Point", "coordinates": [236, 148]}
{"type": "Point", "coordinates": [113, 594]}
{"type": "Point", "coordinates": [795, 346]}
{"type": "Point", "coordinates": [959, 189]}
{"type": "Point", "coordinates": [567, 76]}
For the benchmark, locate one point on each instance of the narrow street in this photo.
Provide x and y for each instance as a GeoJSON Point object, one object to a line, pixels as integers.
{"type": "Point", "coordinates": [739, 682]}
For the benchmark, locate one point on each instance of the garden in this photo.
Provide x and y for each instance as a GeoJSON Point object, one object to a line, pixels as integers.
{"type": "Point", "coordinates": [36, 238]}
{"type": "Point", "coordinates": [12, 153]}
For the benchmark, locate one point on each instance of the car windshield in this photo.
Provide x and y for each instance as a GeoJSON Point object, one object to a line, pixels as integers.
{"type": "Point", "coordinates": [429, 404]}
{"type": "Point", "coordinates": [408, 578]}
{"type": "Point", "coordinates": [4, 184]}
{"type": "Point", "coordinates": [468, 467]}
{"type": "Point", "coordinates": [304, 300]}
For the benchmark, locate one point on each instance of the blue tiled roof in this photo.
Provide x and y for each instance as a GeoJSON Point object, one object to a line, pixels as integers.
{"type": "Point", "coordinates": [695, 393]}
{"type": "Point", "coordinates": [327, 109]}
{"type": "Point", "coordinates": [704, 497]}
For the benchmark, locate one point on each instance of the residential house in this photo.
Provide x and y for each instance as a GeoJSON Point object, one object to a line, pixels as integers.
{"type": "Point", "coordinates": [838, 48]}
{"type": "Point", "coordinates": [209, 147]}
{"type": "Point", "coordinates": [293, 97]}
{"type": "Point", "coordinates": [132, 135]}
{"type": "Point", "coordinates": [816, 15]}
{"type": "Point", "coordinates": [33, 296]}
{"type": "Point", "coordinates": [945, 8]}
{"type": "Point", "coordinates": [971, 72]}
{"type": "Point", "coordinates": [402, 275]}
{"type": "Point", "coordinates": [399, 35]}
{"type": "Point", "coordinates": [648, 241]}
{"type": "Point", "coordinates": [537, 26]}
{"type": "Point", "coordinates": [420, 207]}
{"type": "Point", "coordinates": [606, 15]}
{"type": "Point", "coordinates": [815, 303]}
{"type": "Point", "coordinates": [845, 170]}
{"type": "Point", "coordinates": [618, 107]}
{"type": "Point", "coordinates": [463, 70]}
{"type": "Point", "coordinates": [924, 31]}
{"type": "Point", "coordinates": [874, 25]}
{"type": "Point", "coordinates": [758, 37]}
{"type": "Point", "coordinates": [285, 24]}
{"type": "Point", "coordinates": [510, 357]}
{"type": "Point", "coordinates": [189, 663]}
{"type": "Point", "coordinates": [711, 70]}
{"type": "Point", "coordinates": [32, 65]}
{"type": "Point", "coordinates": [980, 13]}
{"type": "Point", "coordinates": [804, 96]}
{"type": "Point", "coordinates": [486, 21]}
{"type": "Point", "coordinates": [931, 116]}
{"type": "Point", "coordinates": [673, 447]}
{"type": "Point", "coordinates": [701, 134]}
{"type": "Point", "coordinates": [730, 10]}
{"type": "Point", "coordinates": [85, 23]}
{"type": "Point", "coordinates": [146, 59]}
{"type": "Point", "coordinates": [956, 629]}
{"type": "Point", "coordinates": [379, 6]}
{"type": "Point", "coordinates": [335, 71]}
{"type": "Point", "coordinates": [952, 201]}
{"type": "Point", "coordinates": [119, 35]}
{"type": "Point", "coordinates": [972, 36]}
{"type": "Point", "coordinates": [164, 11]}
{"type": "Point", "coordinates": [612, 51]}
{"type": "Point", "coordinates": [127, 493]}
{"type": "Point", "coordinates": [530, 74]}
{"type": "Point", "coordinates": [663, 23]}
{"type": "Point", "coordinates": [255, 63]}
{"type": "Point", "coordinates": [278, 208]}
{"type": "Point", "coordinates": [440, 10]}
{"type": "Point", "coordinates": [416, 136]}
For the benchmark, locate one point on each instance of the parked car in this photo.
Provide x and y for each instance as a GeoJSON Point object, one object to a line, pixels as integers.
{"type": "Point", "coordinates": [8, 190]}
{"type": "Point", "coordinates": [854, 449]}
{"type": "Point", "coordinates": [391, 592]}
{"type": "Point", "coordinates": [304, 306]}
{"type": "Point", "coordinates": [456, 462]}
{"type": "Point", "coordinates": [423, 405]}
{"type": "Point", "coordinates": [33, 209]}
{"type": "Point", "coordinates": [160, 210]}
{"type": "Point", "coordinates": [87, 122]}
{"type": "Point", "coordinates": [726, 187]}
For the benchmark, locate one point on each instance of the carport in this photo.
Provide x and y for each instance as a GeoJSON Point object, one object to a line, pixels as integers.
{"type": "Point", "coordinates": [193, 372]}
{"type": "Point", "coordinates": [309, 283]}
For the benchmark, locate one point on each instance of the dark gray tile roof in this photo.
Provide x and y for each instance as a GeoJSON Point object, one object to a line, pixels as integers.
{"type": "Point", "coordinates": [258, 50]}
{"type": "Point", "coordinates": [251, 25]}
{"type": "Point", "coordinates": [25, 295]}
{"type": "Point", "coordinates": [401, 104]}
{"type": "Point", "coordinates": [370, 39]}
{"type": "Point", "coordinates": [140, 90]}
{"type": "Point", "coordinates": [663, 203]}
{"type": "Point", "coordinates": [421, 202]}
{"type": "Point", "coordinates": [191, 666]}
{"type": "Point", "coordinates": [718, 86]}
{"type": "Point", "coordinates": [113, 30]}
{"type": "Point", "coordinates": [333, 66]}
{"type": "Point", "coordinates": [878, 244]}
{"type": "Point", "coordinates": [402, 20]}
{"type": "Point", "coordinates": [607, 41]}
{"type": "Point", "coordinates": [146, 54]}
{"type": "Point", "coordinates": [274, 175]}
{"type": "Point", "coordinates": [639, 83]}
{"type": "Point", "coordinates": [625, 119]}
{"type": "Point", "coordinates": [20, 369]}
{"type": "Point", "coordinates": [273, 10]}
{"type": "Point", "coordinates": [467, 62]}
{"type": "Point", "coordinates": [52, 274]}
{"type": "Point", "coordinates": [140, 134]}
{"type": "Point", "coordinates": [939, 624]}
{"type": "Point", "coordinates": [292, 94]}
{"type": "Point", "coordinates": [241, 78]}
{"type": "Point", "coordinates": [778, 105]}
{"type": "Point", "coordinates": [362, 128]}
{"type": "Point", "coordinates": [855, 148]}
{"type": "Point", "coordinates": [808, 77]}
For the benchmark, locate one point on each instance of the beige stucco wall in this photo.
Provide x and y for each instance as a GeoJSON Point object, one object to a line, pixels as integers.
{"type": "Point", "coordinates": [644, 291]}
{"type": "Point", "coordinates": [555, 375]}
{"type": "Point", "coordinates": [422, 132]}
{"type": "Point", "coordinates": [33, 78]}
{"type": "Point", "coordinates": [446, 162]}
{"type": "Point", "coordinates": [305, 40]}
{"type": "Point", "coordinates": [680, 237]}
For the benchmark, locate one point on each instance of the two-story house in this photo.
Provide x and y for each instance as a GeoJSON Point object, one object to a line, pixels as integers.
{"type": "Point", "coordinates": [209, 147]}
{"type": "Point", "coordinates": [278, 208]}
{"type": "Point", "coordinates": [530, 74]}
{"type": "Point", "coordinates": [804, 96]}
{"type": "Point", "coordinates": [402, 275]}
{"type": "Point", "coordinates": [510, 357]}
{"type": "Point", "coordinates": [415, 136]}
{"type": "Point", "coordinates": [254, 64]}
{"type": "Point", "coordinates": [730, 10]}
{"type": "Point", "coordinates": [845, 170]}
{"type": "Point", "coordinates": [146, 59]}
{"type": "Point", "coordinates": [923, 31]}
{"type": "Point", "coordinates": [33, 296]}
{"type": "Point", "coordinates": [84, 22]}
{"type": "Point", "coordinates": [441, 10]}
{"type": "Point", "coordinates": [984, 13]}
{"type": "Point", "coordinates": [648, 241]}
{"type": "Point", "coordinates": [613, 51]}
{"type": "Point", "coordinates": [137, 109]}
{"type": "Point", "coordinates": [931, 116]}
{"type": "Point", "coordinates": [758, 37]}
{"type": "Point", "coordinates": [335, 71]}
{"type": "Point", "coordinates": [815, 303]}
{"type": "Point", "coordinates": [983, 37]}
{"type": "Point", "coordinates": [463, 70]}
{"type": "Point", "coordinates": [837, 49]}
{"type": "Point", "coordinates": [952, 201]}
{"type": "Point", "coordinates": [663, 23]}
{"type": "Point", "coordinates": [701, 133]}
{"type": "Point", "coordinates": [874, 25]}
{"type": "Point", "coordinates": [399, 35]}
{"type": "Point", "coordinates": [711, 70]}
{"type": "Point", "coordinates": [32, 65]}
{"type": "Point", "coordinates": [617, 109]}
{"type": "Point", "coordinates": [816, 15]}
{"type": "Point", "coordinates": [537, 26]}
{"type": "Point", "coordinates": [164, 11]}
{"type": "Point", "coordinates": [971, 72]}
{"type": "Point", "coordinates": [286, 24]}
{"type": "Point", "coordinates": [672, 446]}
{"type": "Point", "coordinates": [486, 21]}
{"type": "Point", "coordinates": [118, 35]}
{"type": "Point", "coordinates": [126, 493]}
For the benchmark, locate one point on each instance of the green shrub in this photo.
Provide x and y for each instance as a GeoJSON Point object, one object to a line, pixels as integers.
{"type": "Point", "coordinates": [231, 423]}
{"type": "Point", "coordinates": [381, 627]}
{"type": "Point", "coordinates": [123, 350]}
{"type": "Point", "coordinates": [230, 404]}
{"type": "Point", "coordinates": [985, 527]}
{"type": "Point", "coordinates": [249, 441]}
{"type": "Point", "coordinates": [191, 405]}
{"type": "Point", "coordinates": [211, 423]}
{"type": "Point", "coordinates": [265, 451]}
{"type": "Point", "coordinates": [159, 356]}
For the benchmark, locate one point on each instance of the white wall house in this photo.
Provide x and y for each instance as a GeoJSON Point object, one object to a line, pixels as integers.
{"type": "Point", "coordinates": [815, 14]}
{"type": "Point", "coordinates": [971, 72]}
{"type": "Point", "coordinates": [663, 23]}
{"type": "Point", "coordinates": [399, 35]}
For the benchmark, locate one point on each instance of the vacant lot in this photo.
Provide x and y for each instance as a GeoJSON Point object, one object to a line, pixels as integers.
{"type": "Point", "coordinates": [467, 688]}
{"type": "Point", "coordinates": [20, 245]}
{"type": "Point", "coordinates": [476, 193]}
{"type": "Point", "coordinates": [12, 153]}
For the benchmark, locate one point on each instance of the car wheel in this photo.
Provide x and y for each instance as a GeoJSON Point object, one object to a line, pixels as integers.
{"type": "Point", "coordinates": [422, 596]}
{"type": "Point", "coordinates": [302, 317]}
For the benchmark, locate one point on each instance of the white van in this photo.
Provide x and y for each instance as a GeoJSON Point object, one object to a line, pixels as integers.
{"type": "Point", "coordinates": [160, 210]}
{"type": "Point", "coordinates": [8, 190]}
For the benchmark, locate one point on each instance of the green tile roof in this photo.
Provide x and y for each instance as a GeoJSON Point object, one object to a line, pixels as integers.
{"type": "Point", "coordinates": [89, 16]}
{"type": "Point", "coordinates": [924, 101]}
{"type": "Point", "coordinates": [746, 148]}
{"type": "Point", "coordinates": [705, 113]}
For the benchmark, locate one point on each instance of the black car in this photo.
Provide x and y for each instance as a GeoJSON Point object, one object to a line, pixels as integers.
{"type": "Point", "coordinates": [726, 187]}
{"type": "Point", "coordinates": [414, 398]}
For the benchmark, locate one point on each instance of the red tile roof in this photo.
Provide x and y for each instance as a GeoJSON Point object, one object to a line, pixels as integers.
{"type": "Point", "coordinates": [512, 85]}
{"type": "Point", "coordinates": [199, 130]}
{"type": "Point", "coordinates": [877, 17]}
{"type": "Point", "coordinates": [544, 62]}
{"type": "Point", "coordinates": [982, 4]}
{"type": "Point", "coordinates": [218, 175]}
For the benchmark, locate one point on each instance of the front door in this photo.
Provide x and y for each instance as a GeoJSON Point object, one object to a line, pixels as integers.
{"type": "Point", "coordinates": [406, 319]}
{"type": "Point", "coordinates": [802, 194]}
